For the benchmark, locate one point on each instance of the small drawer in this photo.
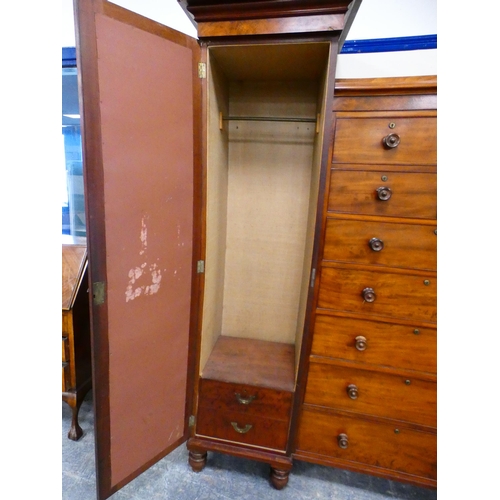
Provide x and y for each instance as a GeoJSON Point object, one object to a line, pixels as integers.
{"type": "Point", "coordinates": [385, 446]}
{"type": "Point", "coordinates": [242, 428]}
{"type": "Point", "coordinates": [399, 397]}
{"type": "Point", "coordinates": [394, 194]}
{"type": "Point", "coordinates": [386, 140]}
{"type": "Point", "coordinates": [412, 246]}
{"type": "Point", "coordinates": [65, 349]}
{"type": "Point", "coordinates": [66, 377]}
{"type": "Point", "coordinates": [67, 322]}
{"type": "Point", "coordinates": [384, 294]}
{"type": "Point", "coordinates": [375, 342]}
{"type": "Point", "coordinates": [245, 399]}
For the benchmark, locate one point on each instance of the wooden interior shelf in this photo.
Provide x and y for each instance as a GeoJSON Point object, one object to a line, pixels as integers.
{"type": "Point", "coordinates": [252, 362]}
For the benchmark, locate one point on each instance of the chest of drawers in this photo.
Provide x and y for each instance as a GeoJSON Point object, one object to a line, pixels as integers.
{"type": "Point", "coordinates": [369, 402]}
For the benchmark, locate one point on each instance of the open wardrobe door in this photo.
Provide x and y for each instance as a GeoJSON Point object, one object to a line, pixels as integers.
{"type": "Point", "coordinates": [139, 96]}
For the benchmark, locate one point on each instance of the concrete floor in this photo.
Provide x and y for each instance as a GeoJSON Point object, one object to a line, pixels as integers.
{"type": "Point", "coordinates": [224, 477]}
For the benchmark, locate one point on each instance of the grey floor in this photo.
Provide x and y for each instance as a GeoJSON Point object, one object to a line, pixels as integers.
{"type": "Point", "coordinates": [224, 477]}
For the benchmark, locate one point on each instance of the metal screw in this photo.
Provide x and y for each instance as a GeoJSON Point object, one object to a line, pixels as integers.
{"type": "Point", "coordinates": [427, 282]}
{"type": "Point", "coordinates": [416, 331]}
{"type": "Point", "coordinates": [407, 381]}
{"type": "Point", "coordinates": [435, 232]}
{"type": "Point", "coordinates": [384, 178]}
{"type": "Point", "coordinates": [392, 125]}
{"type": "Point", "coordinates": [396, 431]}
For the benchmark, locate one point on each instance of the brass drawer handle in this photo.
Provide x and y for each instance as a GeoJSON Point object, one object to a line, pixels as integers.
{"type": "Point", "coordinates": [384, 193]}
{"type": "Point", "coordinates": [391, 141]}
{"type": "Point", "coordinates": [343, 441]}
{"type": "Point", "coordinates": [352, 391]}
{"type": "Point", "coordinates": [376, 244]}
{"type": "Point", "coordinates": [241, 430]}
{"type": "Point", "coordinates": [368, 295]}
{"type": "Point", "coordinates": [242, 400]}
{"type": "Point", "coordinates": [361, 343]}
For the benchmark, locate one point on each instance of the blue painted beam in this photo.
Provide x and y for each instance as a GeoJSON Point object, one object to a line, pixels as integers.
{"type": "Point", "coordinates": [389, 44]}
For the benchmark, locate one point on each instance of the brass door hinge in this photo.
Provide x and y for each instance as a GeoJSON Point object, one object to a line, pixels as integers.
{"type": "Point", "coordinates": [202, 70]}
{"type": "Point", "coordinates": [99, 292]}
{"type": "Point", "coordinates": [200, 267]}
{"type": "Point", "coordinates": [313, 277]}
{"type": "Point", "coordinates": [192, 421]}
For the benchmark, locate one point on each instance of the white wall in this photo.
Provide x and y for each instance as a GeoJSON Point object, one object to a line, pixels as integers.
{"type": "Point", "coordinates": [375, 19]}
{"type": "Point", "coordinates": [390, 19]}
{"type": "Point", "coordinates": [167, 12]}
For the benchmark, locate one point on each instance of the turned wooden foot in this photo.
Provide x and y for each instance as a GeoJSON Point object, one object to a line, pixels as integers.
{"type": "Point", "coordinates": [197, 460]}
{"type": "Point", "coordinates": [279, 478]}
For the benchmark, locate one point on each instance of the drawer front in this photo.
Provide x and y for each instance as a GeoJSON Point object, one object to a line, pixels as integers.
{"type": "Point", "coordinates": [381, 394]}
{"type": "Point", "coordinates": [65, 349]}
{"type": "Point", "coordinates": [245, 399]}
{"type": "Point", "coordinates": [396, 295]}
{"type": "Point", "coordinates": [242, 428]}
{"type": "Point", "coordinates": [381, 243]}
{"type": "Point", "coordinates": [360, 140]}
{"type": "Point", "coordinates": [378, 343]}
{"type": "Point", "coordinates": [67, 319]}
{"type": "Point", "coordinates": [378, 444]}
{"type": "Point", "coordinates": [66, 377]}
{"type": "Point", "coordinates": [360, 192]}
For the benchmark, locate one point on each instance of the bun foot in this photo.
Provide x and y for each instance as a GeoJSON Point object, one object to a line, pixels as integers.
{"type": "Point", "coordinates": [197, 460]}
{"type": "Point", "coordinates": [279, 478]}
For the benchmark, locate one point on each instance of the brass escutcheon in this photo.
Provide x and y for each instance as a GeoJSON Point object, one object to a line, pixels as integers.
{"type": "Point", "coordinates": [242, 400]}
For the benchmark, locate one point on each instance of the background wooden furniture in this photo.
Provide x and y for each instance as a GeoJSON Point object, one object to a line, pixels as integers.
{"type": "Point", "coordinates": [370, 399]}
{"type": "Point", "coordinates": [76, 364]}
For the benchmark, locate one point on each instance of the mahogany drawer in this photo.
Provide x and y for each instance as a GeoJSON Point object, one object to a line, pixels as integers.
{"type": "Point", "coordinates": [399, 397]}
{"type": "Point", "coordinates": [66, 377]}
{"type": "Point", "coordinates": [376, 342]}
{"type": "Point", "coordinates": [242, 428]}
{"type": "Point", "coordinates": [67, 322]}
{"type": "Point", "coordinates": [245, 399]}
{"type": "Point", "coordinates": [396, 295]}
{"type": "Point", "coordinates": [382, 445]}
{"type": "Point", "coordinates": [403, 194]}
{"type": "Point", "coordinates": [381, 243]}
{"type": "Point", "coordinates": [65, 349]}
{"type": "Point", "coordinates": [360, 140]}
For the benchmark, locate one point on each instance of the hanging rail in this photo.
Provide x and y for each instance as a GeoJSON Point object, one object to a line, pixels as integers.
{"type": "Point", "coordinates": [269, 119]}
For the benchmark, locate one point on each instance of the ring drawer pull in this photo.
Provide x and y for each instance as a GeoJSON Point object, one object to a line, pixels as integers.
{"type": "Point", "coordinates": [384, 193]}
{"type": "Point", "coordinates": [241, 430]}
{"type": "Point", "coordinates": [368, 295]}
{"type": "Point", "coordinates": [376, 244]}
{"type": "Point", "coordinates": [391, 141]}
{"type": "Point", "coordinates": [242, 400]}
{"type": "Point", "coordinates": [352, 391]}
{"type": "Point", "coordinates": [361, 343]}
{"type": "Point", "coordinates": [343, 441]}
